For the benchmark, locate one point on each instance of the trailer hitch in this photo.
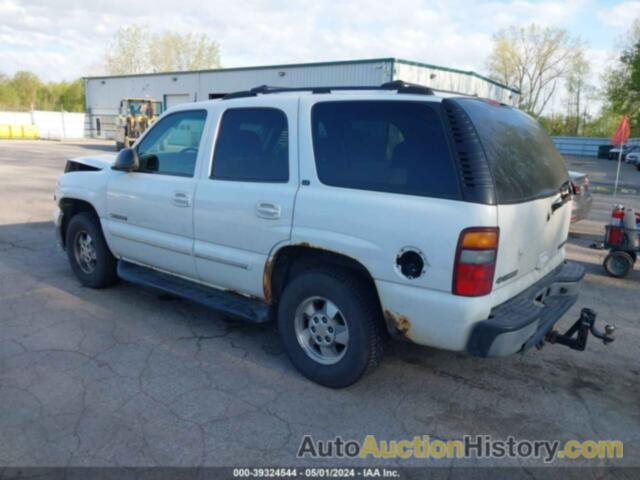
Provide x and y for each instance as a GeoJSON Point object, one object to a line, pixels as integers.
{"type": "Point", "coordinates": [576, 337]}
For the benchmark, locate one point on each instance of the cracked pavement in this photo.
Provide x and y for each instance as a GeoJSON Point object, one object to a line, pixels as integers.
{"type": "Point", "coordinates": [126, 376]}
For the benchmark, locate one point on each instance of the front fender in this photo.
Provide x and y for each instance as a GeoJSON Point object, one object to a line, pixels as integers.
{"type": "Point", "coordinates": [90, 187]}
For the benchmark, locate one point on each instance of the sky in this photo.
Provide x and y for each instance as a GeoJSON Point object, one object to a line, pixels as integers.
{"type": "Point", "coordinates": [66, 39]}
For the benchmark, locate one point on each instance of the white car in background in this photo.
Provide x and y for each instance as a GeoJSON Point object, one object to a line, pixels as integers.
{"type": "Point", "coordinates": [633, 158]}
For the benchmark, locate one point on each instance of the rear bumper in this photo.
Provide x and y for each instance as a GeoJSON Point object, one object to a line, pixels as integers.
{"type": "Point", "coordinates": [523, 321]}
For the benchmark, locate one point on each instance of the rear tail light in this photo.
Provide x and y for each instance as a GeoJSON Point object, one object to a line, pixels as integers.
{"type": "Point", "coordinates": [576, 189]}
{"type": "Point", "coordinates": [475, 261]}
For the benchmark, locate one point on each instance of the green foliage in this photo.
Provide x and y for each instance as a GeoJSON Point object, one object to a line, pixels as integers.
{"type": "Point", "coordinates": [554, 124]}
{"type": "Point", "coordinates": [24, 91]}
{"type": "Point", "coordinates": [136, 50]}
{"type": "Point", "coordinates": [566, 125]}
{"type": "Point", "coordinates": [623, 81]}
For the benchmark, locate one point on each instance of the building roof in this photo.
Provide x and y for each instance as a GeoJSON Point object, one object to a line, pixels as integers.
{"type": "Point", "coordinates": [390, 60]}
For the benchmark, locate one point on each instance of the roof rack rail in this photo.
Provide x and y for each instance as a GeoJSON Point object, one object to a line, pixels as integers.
{"type": "Point", "coordinates": [398, 85]}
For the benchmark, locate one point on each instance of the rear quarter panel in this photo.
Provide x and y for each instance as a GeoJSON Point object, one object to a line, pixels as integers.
{"type": "Point", "coordinates": [373, 227]}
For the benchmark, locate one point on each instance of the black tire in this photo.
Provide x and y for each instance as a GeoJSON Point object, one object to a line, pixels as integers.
{"type": "Point", "coordinates": [103, 273]}
{"type": "Point", "coordinates": [618, 263]}
{"type": "Point", "coordinates": [119, 146]}
{"type": "Point", "coordinates": [359, 306]}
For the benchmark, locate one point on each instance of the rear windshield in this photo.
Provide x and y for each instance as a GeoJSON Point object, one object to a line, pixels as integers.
{"type": "Point", "coordinates": [523, 160]}
{"type": "Point", "coordinates": [387, 146]}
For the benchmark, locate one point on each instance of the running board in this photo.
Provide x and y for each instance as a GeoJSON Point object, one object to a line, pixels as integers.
{"type": "Point", "coordinates": [227, 302]}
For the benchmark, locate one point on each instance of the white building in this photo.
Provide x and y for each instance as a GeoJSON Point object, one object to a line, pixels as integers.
{"type": "Point", "coordinates": [103, 94]}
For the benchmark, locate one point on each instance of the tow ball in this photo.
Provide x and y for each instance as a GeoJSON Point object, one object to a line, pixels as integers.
{"type": "Point", "coordinates": [576, 337]}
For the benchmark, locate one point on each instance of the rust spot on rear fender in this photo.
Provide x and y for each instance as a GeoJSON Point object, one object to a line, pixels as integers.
{"type": "Point", "coordinates": [400, 323]}
{"type": "Point", "coordinates": [267, 286]}
{"type": "Point", "coordinates": [266, 280]}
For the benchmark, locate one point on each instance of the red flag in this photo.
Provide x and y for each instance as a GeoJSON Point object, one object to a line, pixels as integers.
{"type": "Point", "coordinates": [622, 133]}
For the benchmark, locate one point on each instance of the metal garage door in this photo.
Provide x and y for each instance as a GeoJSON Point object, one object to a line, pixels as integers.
{"type": "Point", "coordinates": [171, 100]}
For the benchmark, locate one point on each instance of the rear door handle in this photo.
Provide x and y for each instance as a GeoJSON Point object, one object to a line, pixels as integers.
{"type": "Point", "coordinates": [181, 199]}
{"type": "Point", "coordinates": [268, 210]}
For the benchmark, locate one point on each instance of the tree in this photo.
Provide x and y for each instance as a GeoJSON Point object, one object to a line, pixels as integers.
{"type": "Point", "coordinates": [534, 60]}
{"type": "Point", "coordinates": [577, 87]}
{"type": "Point", "coordinates": [24, 91]}
{"type": "Point", "coordinates": [72, 99]}
{"type": "Point", "coordinates": [173, 51]}
{"type": "Point", "coordinates": [26, 85]}
{"type": "Point", "coordinates": [623, 80]}
{"type": "Point", "coordinates": [136, 50]}
{"type": "Point", "coordinates": [128, 53]}
{"type": "Point", "coordinates": [8, 94]}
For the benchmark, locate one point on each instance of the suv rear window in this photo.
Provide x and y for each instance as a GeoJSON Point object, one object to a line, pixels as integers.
{"type": "Point", "coordinates": [523, 160]}
{"type": "Point", "coordinates": [387, 146]}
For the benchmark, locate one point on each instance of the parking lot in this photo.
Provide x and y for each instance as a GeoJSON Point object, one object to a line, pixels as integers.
{"type": "Point", "coordinates": [125, 376]}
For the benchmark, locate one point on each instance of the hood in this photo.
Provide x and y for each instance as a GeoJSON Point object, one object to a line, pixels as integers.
{"type": "Point", "coordinates": [97, 161]}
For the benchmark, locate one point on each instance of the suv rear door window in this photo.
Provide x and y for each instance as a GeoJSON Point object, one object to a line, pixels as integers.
{"type": "Point", "coordinates": [252, 146]}
{"type": "Point", "coordinates": [521, 156]}
{"type": "Point", "coordinates": [387, 146]}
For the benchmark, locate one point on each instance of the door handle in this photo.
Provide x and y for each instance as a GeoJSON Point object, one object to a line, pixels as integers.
{"type": "Point", "coordinates": [181, 199]}
{"type": "Point", "coordinates": [268, 210]}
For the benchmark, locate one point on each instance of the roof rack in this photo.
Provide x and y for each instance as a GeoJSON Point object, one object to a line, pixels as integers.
{"type": "Point", "coordinates": [397, 85]}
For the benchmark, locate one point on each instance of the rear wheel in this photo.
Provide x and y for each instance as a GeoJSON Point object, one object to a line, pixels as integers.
{"type": "Point", "coordinates": [618, 263]}
{"type": "Point", "coordinates": [330, 326]}
{"type": "Point", "coordinates": [88, 253]}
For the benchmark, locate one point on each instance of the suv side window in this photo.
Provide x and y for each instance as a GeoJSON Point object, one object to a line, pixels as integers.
{"type": "Point", "coordinates": [387, 146]}
{"type": "Point", "coordinates": [171, 146]}
{"type": "Point", "coordinates": [252, 146]}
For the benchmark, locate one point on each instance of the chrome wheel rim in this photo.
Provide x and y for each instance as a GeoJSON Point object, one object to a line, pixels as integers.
{"type": "Point", "coordinates": [85, 252]}
{"type": "Point", "coordinates": [322, 330]}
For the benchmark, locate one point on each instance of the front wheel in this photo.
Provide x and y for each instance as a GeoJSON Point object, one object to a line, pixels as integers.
{"type": "Point", "coordinates": [88, 253]}
{"type": "Point", "coordinates": [330, 325]}
{"type": "Point", "coordinates": [618, 263]}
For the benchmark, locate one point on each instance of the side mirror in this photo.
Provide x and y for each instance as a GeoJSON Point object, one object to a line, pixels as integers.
{"type": "Point", "coordinates": [127, 160]}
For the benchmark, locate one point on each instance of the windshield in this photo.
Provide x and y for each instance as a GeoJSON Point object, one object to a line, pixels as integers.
{"type": "Point", "coordinates": [143, 107]}
{"type": "Point", "coordinates": [523, 160]}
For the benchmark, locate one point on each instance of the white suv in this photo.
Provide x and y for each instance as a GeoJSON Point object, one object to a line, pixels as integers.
{"type": "Point", "coordinates": [346, 213]}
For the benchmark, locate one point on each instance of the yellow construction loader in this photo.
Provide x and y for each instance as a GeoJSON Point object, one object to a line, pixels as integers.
{"type": "Point", "coordinates": [134, 117]}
